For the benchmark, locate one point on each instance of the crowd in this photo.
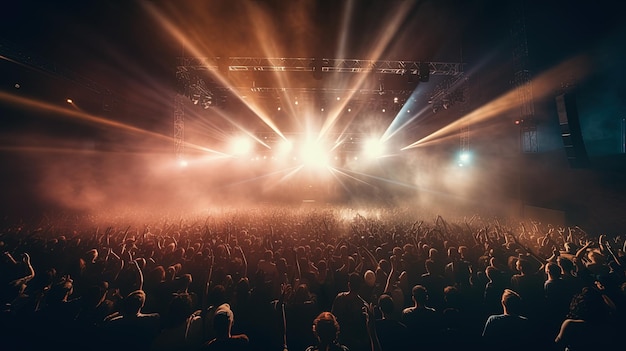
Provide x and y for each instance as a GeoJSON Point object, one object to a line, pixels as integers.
{"type": "Point", "coordinates": [327, 278]}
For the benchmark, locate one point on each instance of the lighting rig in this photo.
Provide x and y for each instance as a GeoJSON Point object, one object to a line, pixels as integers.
{"type": "Point", "coordinates": [192, 84]}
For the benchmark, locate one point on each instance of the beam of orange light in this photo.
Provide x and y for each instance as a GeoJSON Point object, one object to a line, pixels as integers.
{"type": "Point", "coordinates": [179, 35]}
{"type": "Point", "coordinates": [86, 117]}
{"type": "Point", "coordinates": [398, 17]}
{"type": "Point", "coordinates": [543, 85]}
{"type": "Point", "coordinates": [284, 178]}
{"type": "Point", "coordinates": [82, 151]}
{"type": "Point", "coordinates": [386, 180]}
{"type": "Point", "coordinates": [337, 170]}
{"type": "Point", "coordinates": [266, 34]}
{"type": "Point", "coordinates": [263, 176]}
{"type": "Point", "coordinates": [62, 150]}
{"type": "Point", "coordinates": [345, 27]}
{"type": "Point", "coordinates": [241, 128]}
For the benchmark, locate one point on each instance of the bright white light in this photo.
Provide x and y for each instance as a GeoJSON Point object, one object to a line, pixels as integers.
{"type": "Point", "coordinates": [464, 158]}
{"type": "Point", "coordinates": [374, 148]}
{"type": "Point", "coordinates": [284, 148]}
{"type": "Point", "coordinates": [69, 101]}
{"type": "Point", "coordinates": [314, 155]}
{"type": "Point", "coordinates": [183, 163]}
{"type": "Point", "coordinates": [241, 146]}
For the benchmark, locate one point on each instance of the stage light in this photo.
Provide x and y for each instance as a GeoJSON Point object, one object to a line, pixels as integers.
{"type": "Point", "coordinates": [195, 98]}
{"type": "Point", "coordinates": [464, 158]}
{"type": "Point", "coordinates": [207, 101]}
{"type": "Point", "coordinates": [284, 147]}
{"type": "Point", "coordinates": [373, 148]}
{"type": "Point", "coordinates": [241, 146]}
{"type": "Point", "coordinates": [69, 101]}
{"type": "Point", "coordinates": [183, 163]}
{"type": "Point", "coordinates": [314, 155]}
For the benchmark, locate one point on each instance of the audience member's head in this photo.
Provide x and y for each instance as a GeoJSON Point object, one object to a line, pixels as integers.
{"type": "Point", "coordinates": [553, 270]}
{"type": "Point", "coordinates": [223, 320]}
{"type": "Point", "coordinates": [355, 282]}
{"type": "Point", "coordinates": [385, 303]}
{"type": "Point", "coordinates": [511, 302]}
{"type": "Point", "coordinates": [420, 294]}
{"type": "Point", "coordinates": [133, 303]}
{"type": "Point", "coordinates": [326, 328]}
{"type": "Point", "coordinates": [370, 278]}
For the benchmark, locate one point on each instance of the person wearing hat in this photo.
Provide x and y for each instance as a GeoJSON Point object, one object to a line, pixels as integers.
{"type": "Point", "coordinates": [222, 325]}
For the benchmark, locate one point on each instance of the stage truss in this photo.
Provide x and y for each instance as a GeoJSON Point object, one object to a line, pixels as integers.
{"type": "Point", "coordinates": [413, 70]}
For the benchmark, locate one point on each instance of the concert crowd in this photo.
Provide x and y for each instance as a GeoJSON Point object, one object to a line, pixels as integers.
{"type": "Point", "coordinates": [326, 278]}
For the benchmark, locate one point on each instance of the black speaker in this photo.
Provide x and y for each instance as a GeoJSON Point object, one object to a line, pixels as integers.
{"type": "Point", "coordinates": [424, 72]}
{"type": "Point", "coordinates": [570, 131]}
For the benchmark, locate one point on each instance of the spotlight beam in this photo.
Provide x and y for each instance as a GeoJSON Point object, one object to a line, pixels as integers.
{"type": "Point", "coordinates": [266, 38]}
{"type": "Point", "coordinates": [543, 85]}
{"type": "Point", "coordinates": [386, 180]}
{"type": "Point", "coordinates": [345, 27]}
{"type": "Point", "coordinates": [263, 176]}
{"type": "Point", "coordinates": [89, 118]}
{"type": "Point", "coordinates": [179, 35]}
{"type": "Point", "coordinates": [381, 43]}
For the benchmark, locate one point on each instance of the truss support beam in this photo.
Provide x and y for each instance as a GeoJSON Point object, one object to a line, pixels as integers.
{"type": "Point", "coordinates": [245, 64]}
{"type": "Point", "coordinates": [522, 80]}
{"type": "Point", "coordinates": [179, 127]}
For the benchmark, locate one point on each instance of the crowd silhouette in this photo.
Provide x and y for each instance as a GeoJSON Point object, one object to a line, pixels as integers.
{"type": "Point", "coordinates": [327, 278]}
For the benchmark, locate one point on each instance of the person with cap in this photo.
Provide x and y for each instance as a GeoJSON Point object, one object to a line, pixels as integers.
{"type": "Point", "coordinates": [222, 325]}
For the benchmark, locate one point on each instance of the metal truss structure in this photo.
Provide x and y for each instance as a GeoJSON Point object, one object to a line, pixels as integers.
{"type": "Point", "coordinates": [238, 64]}
{"type": "Point", "coordinates": [465, 126]}
{"type": "Point", "coordinates": [522, 80]}
{"type": "Point", "coordinates": [198, 92]}
{"type": "Point", "coordinates": [179, 127]}
{"type": "Point", "coordinates": [451, 91]}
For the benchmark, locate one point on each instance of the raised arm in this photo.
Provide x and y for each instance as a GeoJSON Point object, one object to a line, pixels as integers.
{"type": "Point", "coordinates": [30, 274]}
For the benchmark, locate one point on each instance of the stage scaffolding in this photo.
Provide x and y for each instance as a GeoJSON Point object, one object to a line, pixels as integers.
{"type": "Point", "coordinates": [188, 85]}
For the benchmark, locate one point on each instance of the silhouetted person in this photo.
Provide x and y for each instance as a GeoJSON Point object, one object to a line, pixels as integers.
{"type": "Point", "coordinates": [588, 326]}
{"type": "Point", "coordinates": [130, 329]}
{"type": "Point", "coordinates": [326, 330]}
{"type": "Point", "coordinates": [509, 330]}
{"type": "Point", "coordinates": [392, 334]}
{"type": "Point", "coordinates": [422, 321]}
{"type": "Point", "coordinates": [224, 340]}
{"type": "Point", "coordinates": [348, 308]}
